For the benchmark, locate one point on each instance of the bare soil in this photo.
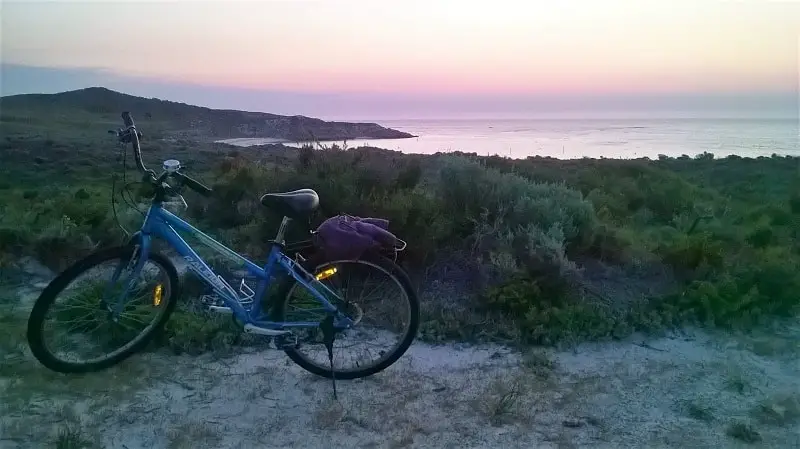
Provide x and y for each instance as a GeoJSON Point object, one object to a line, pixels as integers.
{"type": "Point", "coordinates": [696, 389]}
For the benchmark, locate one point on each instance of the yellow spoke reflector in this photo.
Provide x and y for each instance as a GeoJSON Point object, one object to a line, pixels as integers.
{"type": "Point", "coordinates": [325, 274]}
{"type": "Point", "coordinates": [157, 295]}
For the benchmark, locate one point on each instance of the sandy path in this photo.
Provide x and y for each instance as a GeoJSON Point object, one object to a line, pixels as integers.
{"type": "Point", "coordinates": [679, 391]}
{"type": "Point", "coordinates": [607, 395]}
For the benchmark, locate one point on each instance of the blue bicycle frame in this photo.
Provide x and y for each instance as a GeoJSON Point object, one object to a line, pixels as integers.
{"type": "Point", "coordinates": [164, 224]}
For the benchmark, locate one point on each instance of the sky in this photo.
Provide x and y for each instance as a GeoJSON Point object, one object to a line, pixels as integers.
{"type": "Point", "coordinates": [411, 58]}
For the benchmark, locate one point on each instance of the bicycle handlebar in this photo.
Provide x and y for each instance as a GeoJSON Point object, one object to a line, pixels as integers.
{"type": "Point", "coordinates": [194, 184]}
{"type": "Point", "coordinates": [132, 134]}
{"type": "Point", "coordinates": [127, 119]}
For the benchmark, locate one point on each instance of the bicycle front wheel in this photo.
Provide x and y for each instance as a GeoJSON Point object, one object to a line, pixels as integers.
{"type": "Point", "coordinates": [77, 310]}
{"type": "Point", "coordinates": [377, 294]}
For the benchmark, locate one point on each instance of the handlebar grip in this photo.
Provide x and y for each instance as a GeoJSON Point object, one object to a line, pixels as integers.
{"type": "Point", "coordinates": [196, 186]}
{"type": "Point", "coordinates": [127, 119]}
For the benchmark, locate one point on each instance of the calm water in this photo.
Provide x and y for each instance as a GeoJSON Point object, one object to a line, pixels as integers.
{"type": "Point", "coordinates": [591, 138]}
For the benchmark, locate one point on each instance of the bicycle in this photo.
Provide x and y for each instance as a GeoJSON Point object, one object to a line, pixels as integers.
{"type": "Point", "coordinates": [335, 315]}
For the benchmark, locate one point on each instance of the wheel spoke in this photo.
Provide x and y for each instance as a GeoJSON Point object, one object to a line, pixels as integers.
{"type": "Point", "coordinates": [368, 344]}
{"type": "Point", "coordinates": [74, 315]}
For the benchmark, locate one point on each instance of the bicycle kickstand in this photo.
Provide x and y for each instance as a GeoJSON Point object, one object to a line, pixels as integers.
{"type": "Point", "coordinates": [328, 335]}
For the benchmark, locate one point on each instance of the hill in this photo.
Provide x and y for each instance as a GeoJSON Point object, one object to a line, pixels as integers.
{"type": "Point", "coordinates": [179, 120]}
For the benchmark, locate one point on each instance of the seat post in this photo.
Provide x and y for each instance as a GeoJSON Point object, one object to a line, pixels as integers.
{"type": "Point", "coordinates": [282, 230]}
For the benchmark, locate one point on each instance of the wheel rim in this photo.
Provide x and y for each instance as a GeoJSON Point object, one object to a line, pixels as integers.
{"type": "Point", "coordinates": [383, 325]}
{"type": "Point", "coordinates": [78, 316]}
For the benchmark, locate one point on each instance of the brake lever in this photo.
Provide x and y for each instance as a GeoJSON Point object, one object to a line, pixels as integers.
{"type": "Point", "coordinates": [124, 135]}
{"type": "Point", "coordinates": [182, 201]}
{"type": "Point", "coordinates": [174, 193]}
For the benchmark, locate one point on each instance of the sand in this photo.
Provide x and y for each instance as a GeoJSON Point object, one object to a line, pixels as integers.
{"type": "Point", "coordinates": [691, 389]}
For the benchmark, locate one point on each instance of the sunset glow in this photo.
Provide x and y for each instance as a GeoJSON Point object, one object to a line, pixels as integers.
{"type": "Point", "coordinates": [420, 47]}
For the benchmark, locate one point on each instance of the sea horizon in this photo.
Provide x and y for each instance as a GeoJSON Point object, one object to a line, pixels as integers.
{"type": "Point", "coordinates": [575, 138]}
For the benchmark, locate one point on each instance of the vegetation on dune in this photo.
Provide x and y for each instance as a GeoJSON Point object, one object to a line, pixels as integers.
{"type": "Point", "coordinates": [84, 108]}
{"type": "Point", "coordinates": [528, 238]}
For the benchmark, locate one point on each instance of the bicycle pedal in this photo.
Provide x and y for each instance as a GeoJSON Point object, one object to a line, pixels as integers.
{"type": "Point", "coordinates": [220, 309]}
{"type": "Point", "coordinates": [211, 300]}
{"type": "Point", "coordinates": [284, 342]}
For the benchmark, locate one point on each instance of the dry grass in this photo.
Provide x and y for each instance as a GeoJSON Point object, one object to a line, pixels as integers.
{"type": "Point", "coordinates": [418, 402]}
{"type": "Point", "coordinates": [73, 437]}
{"type": "Point", "coordinates": [695, 409]}
{"type": "Point", "coordinates": [405, 437]}
{"type": "Point", "coordinates": [539, 363]}
{"type": "Point", "coordinates": [40, 405]}
{"type": "Point", "coordinates": [774, 346]}
{"type": "Point", "coordinates": [737, 383]}
{"type": "Point", "coordinates": [744, 432]}
{"type": "Point", "coordinates": [582, 389]}
{"type": "Point", "coordinates": [502, 402]}
{"type": "Point", "coordinates": [394, 412]}
{"type": "Point", "coordinates": [781, 410]}
{"type": "Point", "coordinates": [260, 387]}
{"type": "Point", "coordinates": [192, 435]}
{"type": "Point", "coordinates": [777, 341]}
{"type": "Point", "coordinates": [53, 424]}
{"type": "Point", "coordinates": [329, 414]}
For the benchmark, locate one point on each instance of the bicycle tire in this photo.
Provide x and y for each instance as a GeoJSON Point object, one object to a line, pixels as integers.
{"type": "Point", "coordinates": [391, 268]}
{"type": "Point", "coordinates": [57, 285]}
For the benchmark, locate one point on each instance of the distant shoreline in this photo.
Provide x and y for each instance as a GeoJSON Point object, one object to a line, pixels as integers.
{"type": "Point", "coordinates": [258, 141]}
{"type": "Point", "coordinates": [251, 141]}
{"type": "Point", "coordinates": [576, 139]}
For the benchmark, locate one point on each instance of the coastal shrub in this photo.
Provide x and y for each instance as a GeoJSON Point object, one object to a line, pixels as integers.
{"type": "Point", "coordinates": [727, 226]}
{"type": "Point", "coordinates": [194, 333]}
{"type": "Point", "coordinates": [467, 188]}
{"type": "Point", "coordinates": [761, 236]}
{"type": "Point", "coordinates": [547, 319]}
{"type": "Point", "coordinates": [515, 225]}
{"type": "Point", "coordinates": [688, 253]}
{"type": "Point", "coordinates": [794, 203]}
{"type": "Point", "coordinates": [349, 181]}
{"type": "Point", "coordinates": [752, 288]}
{"type": "Point", "coordinates": [58, 228]}
{"type": "Point", "coordinates": [718, 302]}
{"type": "Point", "coordinates": [608, 243]}
{"type": "Point", "coordinates": [774, 272]}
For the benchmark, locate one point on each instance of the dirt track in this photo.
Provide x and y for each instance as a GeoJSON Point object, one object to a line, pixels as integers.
{"type": "Point", "coordinates": [686, 390]}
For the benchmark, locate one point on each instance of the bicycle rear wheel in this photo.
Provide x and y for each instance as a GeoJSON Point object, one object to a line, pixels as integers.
{"type": "Point", "coordinates": [392, 326]}
{"type": "Point", "coordinates": [84, 299]}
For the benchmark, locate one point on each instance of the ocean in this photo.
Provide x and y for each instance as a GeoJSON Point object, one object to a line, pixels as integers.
{"type": "Point", "coordinates": [594, 138]}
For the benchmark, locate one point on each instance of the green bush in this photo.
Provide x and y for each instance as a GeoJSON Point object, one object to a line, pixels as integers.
{"type": "Point", "coordinates": [193, 334]}
{"type": "Point", "coordinates": [60, 227]}
{"type": "Point", "coordinates": [467, 189]}
{"type": "Point", "coordinates": [718, 303]}
{"type": "Point", "coordinates": [761, 237]}
{"type": "Point", "coordinates": [518, 226]}
{"type": "Point", "coordinates": [608, 243]}
{"type": "Point", "coordinates": [728, 227]}
{"type": "Point", "coordinates": [753, 289]}
{"type": "Point", "coordinates": [794, 203]}
{"type": "Point", "coordinates": [546, 319]}
{"type": "Point", "coordinates": [688, 253]}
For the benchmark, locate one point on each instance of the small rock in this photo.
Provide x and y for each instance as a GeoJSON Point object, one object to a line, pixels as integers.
{"type": "Point", "coordinates": [591, 420]}
{"type": "Point", "coordinates": [33, 267]}
{"type": "Point", "coordinates": [572, 423]}
{"type": "Point", "coordinates": [503, 430]}
{"type": "Point", "coordinates": [41, 285]}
